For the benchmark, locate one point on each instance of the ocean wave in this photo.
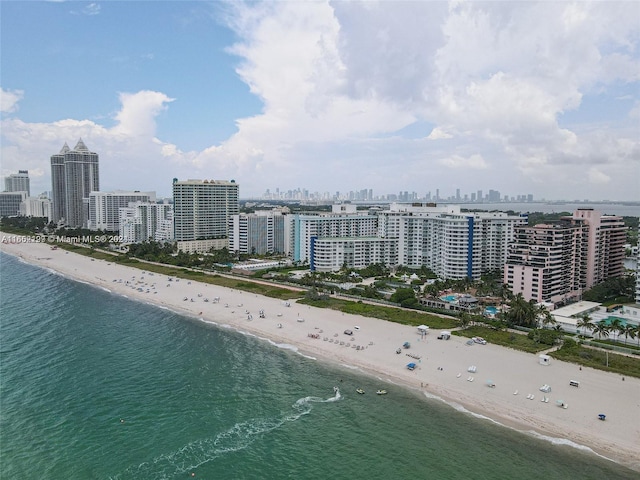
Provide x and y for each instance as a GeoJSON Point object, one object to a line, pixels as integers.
{"type": "Point", "coordinates": [351, 367]}
{"type": "Point", "coordinates": [533, 433]}
{"type": "Point", "coordinates": [564, 441]}
{"type": "Point", "coordinates": [236, 438]}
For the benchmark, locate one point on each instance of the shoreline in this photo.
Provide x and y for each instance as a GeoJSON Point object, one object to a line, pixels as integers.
{"type": "Point", "coordinates": [441, 366]}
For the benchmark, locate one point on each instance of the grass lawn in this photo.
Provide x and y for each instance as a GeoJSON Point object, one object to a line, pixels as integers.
{"type": "Point", "coordinates": [391, 314]}
{"type": "Point", "coordinates": [590, 357]}
{"type": "Point", "coordinates": [517, 341]}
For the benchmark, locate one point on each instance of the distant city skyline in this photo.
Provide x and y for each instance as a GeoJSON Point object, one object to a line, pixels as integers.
{"type": "Point", "coordinates": [524, 97]}
{"type": "Point", "coordinates": [367, 194]}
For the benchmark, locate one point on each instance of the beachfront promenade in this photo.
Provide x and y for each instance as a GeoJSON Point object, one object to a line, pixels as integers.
{"type": "Point", "coordinates": [442, 367]}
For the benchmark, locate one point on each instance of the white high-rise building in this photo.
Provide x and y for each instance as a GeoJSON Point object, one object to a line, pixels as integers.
{"type": "Point", "coordinates": [343, 222]}
{"type": "Point", "coordinates": [74, 175]}
{"type": "Point", "coordinates": [36, 207]}
{"type": "Point", "coordinates": [202, 211]}
{"type": "Point", "coordinates": [104, 207]}
{"type": "Point", "coordinates": [18, 182]}
{"type": "Point", "coordinates": [451, 243]}
{"type": "Point", "coordinates": [331, 254]}
{"type": "Point", "coordinates": [454, 245]}
{"type": "Point", "coordinates": [144, 221]}
{"type": "Point", "coordinates": [257, 233]}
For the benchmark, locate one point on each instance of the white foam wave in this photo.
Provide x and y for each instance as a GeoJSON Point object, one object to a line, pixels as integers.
{"type": "Point", "coordinates": [350, 367]}
{"type": "Point", "coordinates": [238, 437]}
{"type": "Point", "coordinates": [547, 438]}
{"type": "Point", "coordinates": [564, 441]}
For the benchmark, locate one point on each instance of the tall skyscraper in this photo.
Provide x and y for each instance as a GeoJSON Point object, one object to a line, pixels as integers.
{"type": "Point", "coordinates": [74, 175]}
{"type": "Point", "coordinates": [202, 211]}
{"type": "Point", "coordinates": [557, 262]}
{"type": "Point", "coordinates": [18, 182]}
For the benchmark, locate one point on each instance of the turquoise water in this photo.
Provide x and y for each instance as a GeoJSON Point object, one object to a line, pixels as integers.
{"type": "Point", "coordinates": [449, 298]}
{"type": "Point", "coordinates": [608, 320]}
{"type": "Point", "coordinates": [491, 310]}
{"type": "Point", "coordinates": [195, 398]}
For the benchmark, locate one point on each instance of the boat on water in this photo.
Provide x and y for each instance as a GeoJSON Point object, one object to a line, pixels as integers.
{"type": "Point", "coordinates": [360, 391]}
{"type": "Point", "coordinates": [381, 392]}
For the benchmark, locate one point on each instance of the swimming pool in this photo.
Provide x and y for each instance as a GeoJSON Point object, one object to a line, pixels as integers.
{"type": "Point", "coordinates": [608, 320]}
{"type": "Point", "coordinates": [491, 310]}
{"type": "Point", "coordinates": [449, 298]}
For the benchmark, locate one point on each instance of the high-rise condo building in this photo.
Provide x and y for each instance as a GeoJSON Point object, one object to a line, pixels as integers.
{"type": "Point", "coordinates": [605, 244]}
{"type": "Point", "coordinates": [257, 233]}
{"type": "Point", "coordinates": [36, 207]}
{"type": "Point", "coordinates": [18, 182]}
{"type": "Point", "coordinates": [556, 263]}
{"type": "Point", "coordinates": [104, 207]}
{"type": "Point", "coordinates": [145, 221]}
{"type": "Point", "coordinates": [343, 222]}
{"type": "Point", "coordinates": [10, 203]}
{"type": "Point", "coordinates": [74, 175]}
{"type": "Point", "coordinates": [451, 243]}
{"type": "Point", "coordinates": [202, 211]}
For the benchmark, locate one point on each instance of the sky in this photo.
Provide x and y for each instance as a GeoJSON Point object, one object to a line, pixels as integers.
{"type": "Point", "coordinates": [519, 96]}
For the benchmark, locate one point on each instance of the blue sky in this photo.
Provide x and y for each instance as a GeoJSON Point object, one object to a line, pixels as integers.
{"type": "Point", "coordinates": [521, 97]}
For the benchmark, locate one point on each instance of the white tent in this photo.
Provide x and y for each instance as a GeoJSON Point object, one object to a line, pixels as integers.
{"type": "Point", "coordinates": [545, 359]}
{"type": "Point", "coordinates": [423, 328]}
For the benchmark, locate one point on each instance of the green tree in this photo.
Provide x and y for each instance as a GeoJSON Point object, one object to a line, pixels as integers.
{"type": "Point", "coordinates": [629, 331]}
{"type": "Point", "coordinates": [521, 312]}
{"type": "Point", "coordinates": [406, 297]}
{"type": "Point", "coordinates": [544, 316]}
{"type": "Point", "coordinates": [464, 319]}
{"type": "Point", "coordinates": [601, 329]}
{"type": "Point", "coordinates": [584, 322]}
{"type": "Point", "coordinates": [616, 326]}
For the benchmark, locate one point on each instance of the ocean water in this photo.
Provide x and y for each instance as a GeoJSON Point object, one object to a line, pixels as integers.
{"type": "Point", "coordinates": [96, 386]}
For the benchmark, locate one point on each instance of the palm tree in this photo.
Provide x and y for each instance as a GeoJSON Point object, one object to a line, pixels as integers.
{"type": "Point", "coordinates": [617, 326]}
{"type": "Point", "coordinates": [521, 312]}
{"type": "Point", "coordinates": [584, 322]}
{"type": "Point", "coordinates": [629, 331]}
{"type": "Point", "coordinates": [544, 316]}
{"type": "Point", "coordinates": [601, 329]}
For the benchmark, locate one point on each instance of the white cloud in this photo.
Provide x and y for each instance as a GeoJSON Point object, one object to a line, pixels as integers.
{"type": "Point", "coordinates": [9, 100]}
{"type": "Point", "coordinates": [598, 177]}
{"type": "Point", "coordinates": [139, 111]}
{"type": "Point", "coordinates": [457, 162]}
{"type": "Point", "coordinates": [341, 84]}
{"type": "Point", "coordinates": [129, 146]}
{"type": "Point", "coordinates": [439, 133]}
{"type": "Point", "coordinates": [90, 9]}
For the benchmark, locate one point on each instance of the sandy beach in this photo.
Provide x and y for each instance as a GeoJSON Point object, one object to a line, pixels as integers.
{"type": "Point", "coordinates": [442, 366]}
